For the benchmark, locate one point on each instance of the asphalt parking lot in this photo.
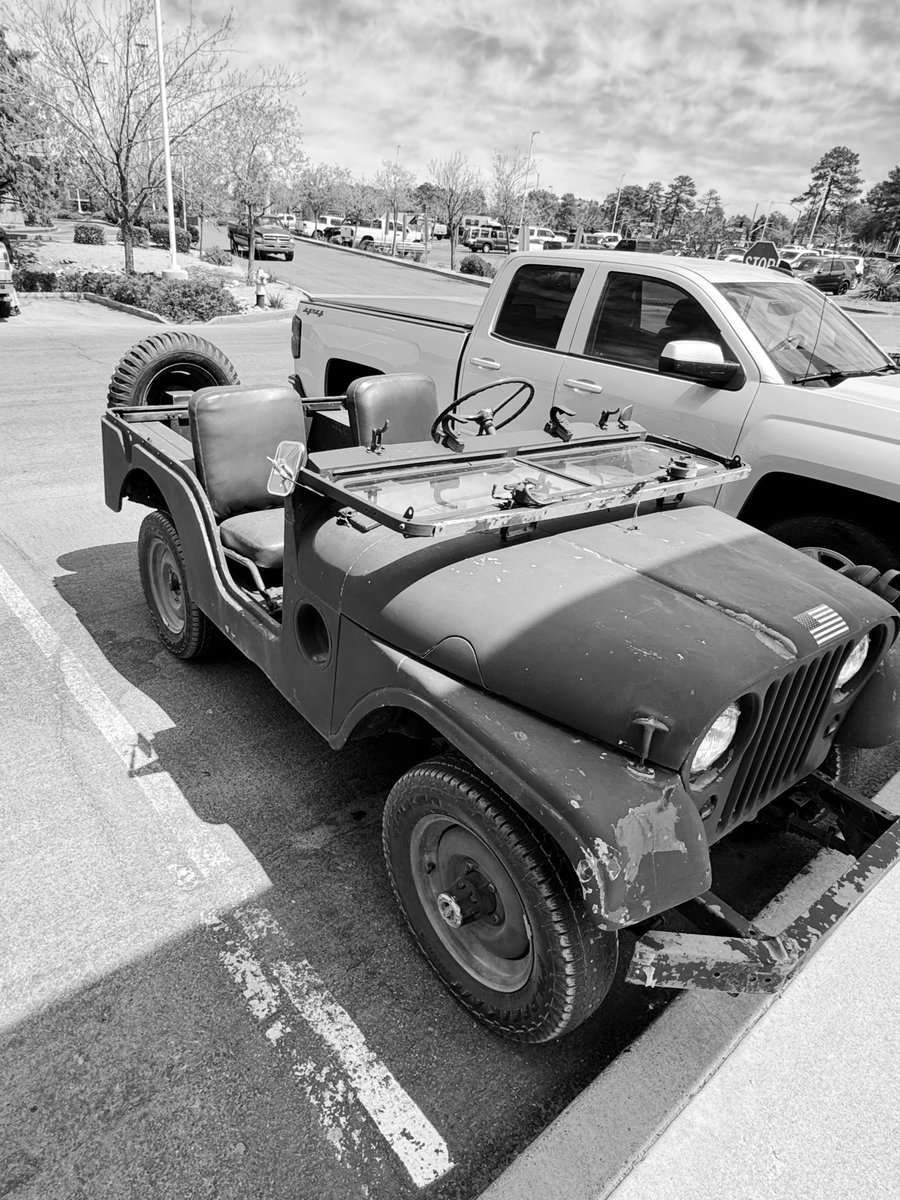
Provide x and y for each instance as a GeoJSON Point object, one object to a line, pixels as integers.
{"type": "Point", "coordinates": [207, 989]}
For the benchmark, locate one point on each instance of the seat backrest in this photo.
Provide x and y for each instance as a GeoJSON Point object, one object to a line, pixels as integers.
{"type": "Point", "coordinates": [234, 430]}
{"type": "Point", "coordinates": [407, 402]}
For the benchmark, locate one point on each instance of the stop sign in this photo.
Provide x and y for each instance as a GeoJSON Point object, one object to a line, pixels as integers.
{"type": "Point", "coordinates": [762, 254]}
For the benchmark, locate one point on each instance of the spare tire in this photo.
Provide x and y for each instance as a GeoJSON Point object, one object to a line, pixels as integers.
{"type": "Point", "coordinates": [171, 361]}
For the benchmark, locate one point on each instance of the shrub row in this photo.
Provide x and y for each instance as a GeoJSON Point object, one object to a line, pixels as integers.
{"type": "Point", "coordinates": [140, 236]}
{"type": "Point", "coordinates": [90, 235]}
{"type": "Point", "coordinates": [218, 256]}
{"type": "Point", "coordinates": [159, 236]}
{"type": "Point", "coordinates": [193, 299]}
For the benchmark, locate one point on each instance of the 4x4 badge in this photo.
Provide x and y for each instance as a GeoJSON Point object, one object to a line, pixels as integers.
{"type": "Point", "coordinates": [823, 623]}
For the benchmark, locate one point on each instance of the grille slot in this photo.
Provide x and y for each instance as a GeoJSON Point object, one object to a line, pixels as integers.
{"type": "Point", "coordinates": [792, 709]}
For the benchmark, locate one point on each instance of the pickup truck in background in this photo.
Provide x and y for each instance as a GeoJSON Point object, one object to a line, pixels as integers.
{"type": "Point", "coordinates": [737, 359]}
{"type": "Point", "coordinates": [382, 232]}
{"type": "Point", "coordinates": [270, 238]}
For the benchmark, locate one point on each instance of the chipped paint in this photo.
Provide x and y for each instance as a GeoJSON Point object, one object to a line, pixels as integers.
{"type": "Point", "coordinates": [648, 829]}
{"type": "Point", "coordinates": [772, 639]}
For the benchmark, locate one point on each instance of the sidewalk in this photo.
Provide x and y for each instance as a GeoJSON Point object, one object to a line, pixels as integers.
{"type": "Point", "coordinates": [740, 1098]}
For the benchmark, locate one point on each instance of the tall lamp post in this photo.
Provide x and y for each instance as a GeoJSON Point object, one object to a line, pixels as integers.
{"type": "Point", "coordinates": [523, 240]}
{"type": "Point", "coordinates": [394, 199]}
{"type": "Point", "coordinates": [618, 195]}
{"type": "Point", "coordinates": [173, 271]}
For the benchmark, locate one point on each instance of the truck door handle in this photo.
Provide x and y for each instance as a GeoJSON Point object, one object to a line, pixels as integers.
{"type": "Point", "coordinates": [489, 364]}
{"type": "Point", "coordinates": [583, 385]}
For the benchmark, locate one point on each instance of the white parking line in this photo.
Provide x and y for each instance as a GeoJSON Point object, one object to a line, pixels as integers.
{"type": "Point", "coordinates": [350, 1070]}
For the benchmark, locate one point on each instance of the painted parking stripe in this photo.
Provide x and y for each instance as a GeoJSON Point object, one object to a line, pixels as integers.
{"type": "Point", "coordinates": [277, 992]}
{"type": "Point", "coordinates": [289, 985]}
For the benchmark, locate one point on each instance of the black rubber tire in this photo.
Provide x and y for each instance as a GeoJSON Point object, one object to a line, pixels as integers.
{"type": "Point", "coordinates": [182, 628]}
{"type": "Point", "coordinates": [167, 360]}
{"type": "Point", "coordinates": [843, 288]}
{"type": "Point", "coordinates": [5, 309]}
{"type": "Point", "coordinates": [569, 964]}
{"type": "Point", "coordinates": [848, 540]}
{"type": "Point", "coordinates": [289, 257]}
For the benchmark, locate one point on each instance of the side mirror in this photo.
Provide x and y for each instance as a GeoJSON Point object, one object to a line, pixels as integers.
{"type": "Point", "coordinates": [703, 362]}
{"type": "Point", "coordinates": [290, 458]}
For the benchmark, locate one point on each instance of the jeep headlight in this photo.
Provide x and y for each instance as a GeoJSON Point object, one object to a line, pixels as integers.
{"type": "Point", "coordinates": [718, 739]}
{"type": "Point", "coordinates": [853, 662]}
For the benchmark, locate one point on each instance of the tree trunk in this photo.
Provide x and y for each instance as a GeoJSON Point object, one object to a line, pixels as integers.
{"type": "Point", "coordinates": [251, 244]}
{"type": "Point", "coordinates": [128, 243]}
{"type": "Point", "coordinates": [453, 248]}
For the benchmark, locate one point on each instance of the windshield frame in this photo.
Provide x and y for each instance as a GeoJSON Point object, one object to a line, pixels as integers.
{"type": "Point", "coordinates": [818, 337]}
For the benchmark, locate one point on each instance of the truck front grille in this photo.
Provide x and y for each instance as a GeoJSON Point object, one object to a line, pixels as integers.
{"type": "Point", "coordinates": [792, 710]}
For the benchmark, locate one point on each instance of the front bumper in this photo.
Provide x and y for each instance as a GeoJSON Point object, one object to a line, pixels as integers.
{"type": "Point", "coordinates": [745, 958]}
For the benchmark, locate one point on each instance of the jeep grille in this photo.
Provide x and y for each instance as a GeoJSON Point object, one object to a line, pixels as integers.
{"type": "Point", "coordinates": [788, 734]}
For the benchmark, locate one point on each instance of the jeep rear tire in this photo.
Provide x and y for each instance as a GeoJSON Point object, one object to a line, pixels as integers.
{"type": "Point", "coordinates": [528, 962]}
{"type": "Point", "coordinates": [171, 361]}
{"type": "Point", "coordinates": [836, 541]}
{"type": "Point", "coordinates": [182, 628]}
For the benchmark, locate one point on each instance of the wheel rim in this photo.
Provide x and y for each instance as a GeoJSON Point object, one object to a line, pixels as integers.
{"type": "Point", "coordinates": [495, 950]}
{"type": "Point", "coordinates": [179, 377]}
{"type": "Point", "coordinates": [167, 586]}
{"type": "Point", "coordinates": [827, 557]}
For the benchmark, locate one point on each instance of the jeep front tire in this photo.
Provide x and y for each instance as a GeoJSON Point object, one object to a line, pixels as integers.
{"type": "Point", "coordinates": [493, 905]}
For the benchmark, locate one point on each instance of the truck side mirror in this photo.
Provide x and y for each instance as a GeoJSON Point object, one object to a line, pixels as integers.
{"type": "Point", "coordinates": [703, 362]}
{"type": "Point", "coordinates": [290, 458]}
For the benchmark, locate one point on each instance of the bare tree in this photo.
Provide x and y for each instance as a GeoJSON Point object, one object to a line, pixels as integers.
{"type": "Point", "coordinates": [395, 184]}
{"type": "Point", "coordinates": [258, 150]}
{"type": "Point", "coordinates": [97, 78]}
{"type": "Point", "coordinates": [505, 188]}
{"type": "Point", "coordinates": [459, 182]}
{"type": "Point", "coordinates": [321, 187]}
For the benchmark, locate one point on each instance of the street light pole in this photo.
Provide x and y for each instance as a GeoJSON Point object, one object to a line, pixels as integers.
{"type": "Point", "coordinates": [618, 194]}
{"type": "Point", "coordinates": [174, 271]}
{"type": "Point", "coordinates": [394, 200]}
{"type": "Point", "coordinates": [523, 240]}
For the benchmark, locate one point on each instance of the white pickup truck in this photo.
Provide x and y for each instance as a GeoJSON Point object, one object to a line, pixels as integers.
{"type": "Point", "coordinates": [737, 359]}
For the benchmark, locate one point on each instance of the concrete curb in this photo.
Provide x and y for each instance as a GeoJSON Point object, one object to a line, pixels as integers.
{"type": "Point", "coordinates": [105, 302]}
{"type": "Point", "coordinates": [593, 1144]}
{"type": "Point", "coordinates": [90, 297]}
{"type": "Point", "coordinates": [406, 263]}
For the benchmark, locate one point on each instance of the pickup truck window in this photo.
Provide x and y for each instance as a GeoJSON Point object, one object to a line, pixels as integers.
{"type": "Point", "coordinates": [536, 304]}
{"type": "Point", "coordinates": [802, 331]}
{"type": "Point", "coordinates": [636, 317]}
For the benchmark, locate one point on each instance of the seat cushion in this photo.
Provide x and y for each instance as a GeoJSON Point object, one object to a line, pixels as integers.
{"type": "Point", "coordinates": [259, 536]}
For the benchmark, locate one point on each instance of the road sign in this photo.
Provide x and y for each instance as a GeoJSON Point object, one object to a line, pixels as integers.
{"type": "Point", "coordinates": [762, 254]}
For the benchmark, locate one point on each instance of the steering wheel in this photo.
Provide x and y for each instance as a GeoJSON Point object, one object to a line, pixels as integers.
{"type": "Point", "coordinates": [443, 434]}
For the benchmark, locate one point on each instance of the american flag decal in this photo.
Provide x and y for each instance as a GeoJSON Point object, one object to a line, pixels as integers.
{"type": "Point", "coordinates": [823, 623]}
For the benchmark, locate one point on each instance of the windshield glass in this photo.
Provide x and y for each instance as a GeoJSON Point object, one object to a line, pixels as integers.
{"type": "Point", "coordinates": [806, 264]}
{"type": "Point", "coordinates": [803, 332]}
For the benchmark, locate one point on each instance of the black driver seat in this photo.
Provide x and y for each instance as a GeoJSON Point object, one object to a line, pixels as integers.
{"type": "Point", "coordinates": [408, 403]}
{"type": "Point", "coordinates": [234, 430]}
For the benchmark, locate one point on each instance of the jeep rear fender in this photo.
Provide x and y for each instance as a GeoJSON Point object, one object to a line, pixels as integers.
{"type": "Point", "coordinates": [634, 838]}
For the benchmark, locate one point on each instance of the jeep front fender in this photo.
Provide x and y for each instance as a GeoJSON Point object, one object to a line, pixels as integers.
{"type": "Point", "coordinates": [634, 838]}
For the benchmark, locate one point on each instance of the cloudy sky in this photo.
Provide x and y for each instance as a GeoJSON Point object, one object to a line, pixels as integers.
{"type": "Point", "coordinates": [744, 97]}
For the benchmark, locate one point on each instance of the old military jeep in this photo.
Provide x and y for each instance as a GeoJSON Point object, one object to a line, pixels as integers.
{"type": "Point", "coordinates": [605, 677]}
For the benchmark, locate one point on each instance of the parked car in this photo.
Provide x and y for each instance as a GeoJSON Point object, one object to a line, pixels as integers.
{"type": "Point", "coordinates": [836, 275]}
{"type": "Point", "coordinates": [326, 228]}
{"type": "Point", "coordinates": [269, 238]}
{"type": "Point", "coordinates": [792, 253]}
{"type": "Point", "coordinates": [487, 238]}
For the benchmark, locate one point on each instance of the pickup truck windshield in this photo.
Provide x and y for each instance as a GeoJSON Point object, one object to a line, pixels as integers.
{"type": "Point", "coordinates": [803, 332]}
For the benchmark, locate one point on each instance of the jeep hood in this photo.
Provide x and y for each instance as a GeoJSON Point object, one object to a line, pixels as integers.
{"type": "Point", "coordinates": [671, 616]}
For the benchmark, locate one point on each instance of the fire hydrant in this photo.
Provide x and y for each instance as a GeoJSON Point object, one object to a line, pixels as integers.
{"type": "Point", "coordinates": [262, 278]}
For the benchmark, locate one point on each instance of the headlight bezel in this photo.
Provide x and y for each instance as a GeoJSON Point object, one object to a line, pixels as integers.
{"type": "Point", "coordinates": [858, 654]}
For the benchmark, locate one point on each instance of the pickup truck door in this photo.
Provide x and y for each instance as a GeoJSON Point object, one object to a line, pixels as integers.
{"type": "Point", "coordinates": [525, 335]}
{"type": "Point", "coordinates": [629, 315]}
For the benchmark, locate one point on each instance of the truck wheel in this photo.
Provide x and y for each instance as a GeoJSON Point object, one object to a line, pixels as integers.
{"type": "Point", "coordinates": [491, 904]}
{"type": "Point", "coordinates": [367, 244]}
{"type": "Point", "coordinates": [289, 257]}
{"type": "Point", "coordinates": [170, 361]}
{"type": "Point", "coordinates": [182, 628]}
{"type": "Point", "coordinates": [836, 541]}
{"type": "Point", "coordinates": [843, 288]}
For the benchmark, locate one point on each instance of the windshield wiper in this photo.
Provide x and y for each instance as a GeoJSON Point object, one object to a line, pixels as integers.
{"type": "Point", "coordinates": [839, 376]}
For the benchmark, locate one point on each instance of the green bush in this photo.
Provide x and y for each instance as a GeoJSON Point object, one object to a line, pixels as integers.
{"type": "Point", "coordinates": [194, 299]}
{"type": "Point", "coordinates": [881, 280]}
{"type": "Point", "coordinates": [194, 234]}
{"type": "Point", "coordinates": [90, 235]}
{"type": "Point", "coordinates": [475, 264]}
{"type": "Point", "coordinates": [140, 236]}
{"type": "Point", "coordinates": [217, 256]}
{"type": "Point", "coordinates": [32, 279]}
{"type": "Point", "coordinates": [159, 236]}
